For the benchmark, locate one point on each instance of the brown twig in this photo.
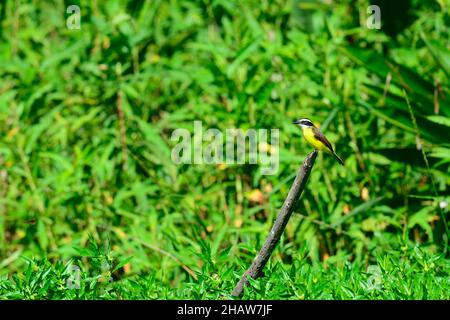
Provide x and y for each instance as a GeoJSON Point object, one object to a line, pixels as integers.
{"type": "Point", "coordinates": [264, 254]}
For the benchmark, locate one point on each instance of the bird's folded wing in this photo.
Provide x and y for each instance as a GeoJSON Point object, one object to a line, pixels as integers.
{"type": "Point", "coordinates": [321, 137]}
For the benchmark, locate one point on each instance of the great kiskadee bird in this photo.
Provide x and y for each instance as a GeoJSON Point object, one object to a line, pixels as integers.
{"type": "Point", "coordinates": [316, 138]}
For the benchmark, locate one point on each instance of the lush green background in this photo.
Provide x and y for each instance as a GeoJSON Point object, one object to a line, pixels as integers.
{"type": "Point", "coordinates": [87, 180]}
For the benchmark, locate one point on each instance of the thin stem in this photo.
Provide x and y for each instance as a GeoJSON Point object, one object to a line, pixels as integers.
{"type": "Point", "coordinates": [425, 158]}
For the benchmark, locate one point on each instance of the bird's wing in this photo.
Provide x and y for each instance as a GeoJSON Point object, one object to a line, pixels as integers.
{"type": "Point", "coordinates": [321, 137]}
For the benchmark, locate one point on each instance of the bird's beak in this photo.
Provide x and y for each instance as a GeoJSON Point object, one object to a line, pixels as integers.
{"type": "Point", "coordinates": [296, 122]}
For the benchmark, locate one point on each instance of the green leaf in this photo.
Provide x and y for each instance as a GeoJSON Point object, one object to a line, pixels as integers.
{"type": "Point", "coordinates": [439, 52]}
{"type": "Point", "coordinates": [122, 263]}
{"type": "Point", "coordinates": [42, 234]}
{"type": "Point", "coordinates": [429, 130]}
{"type": "Point", "coordinates": [421, 219]}
{"type": "Point", "coordinates": [360, 208]}
{"type": "Point", "coordinates": [440, 120]}
{"type": "Point", "coordinates": [440, 152]}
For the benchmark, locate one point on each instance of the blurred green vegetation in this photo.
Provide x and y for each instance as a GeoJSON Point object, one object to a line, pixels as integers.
{"type": "Point", "coordinates": [87, 180]}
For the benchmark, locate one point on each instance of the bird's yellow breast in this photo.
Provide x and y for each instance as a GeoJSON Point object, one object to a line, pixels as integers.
{"type": "Point", "coordinates": [308, 133]}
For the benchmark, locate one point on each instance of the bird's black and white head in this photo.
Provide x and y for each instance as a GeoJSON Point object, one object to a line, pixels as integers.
{"type": "Point", "coordinates": [304, 123]}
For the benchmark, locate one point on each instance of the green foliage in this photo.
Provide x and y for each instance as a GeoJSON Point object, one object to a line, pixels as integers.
{"type": "Point", "coordinates": [408, 273]}
{"type": "Point", "coordinates": [87, 183]}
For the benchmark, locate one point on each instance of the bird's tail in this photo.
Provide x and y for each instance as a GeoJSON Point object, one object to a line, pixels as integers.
{"type": "Point", "coordinates": [338, 159]}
